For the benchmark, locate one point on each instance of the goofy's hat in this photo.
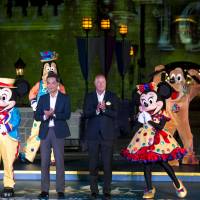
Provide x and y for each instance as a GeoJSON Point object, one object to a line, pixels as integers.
{"type": "Point", "coordinates": [7, 82]}
{"type": "Point", "coordinates": [46, 56]}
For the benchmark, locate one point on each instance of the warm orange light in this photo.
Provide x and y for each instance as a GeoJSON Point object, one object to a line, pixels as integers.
{"type": "Point", "coordinates": [19, 67]}
{"type": "Point", "coordinates": [132, 51]}
{"type": "Point", "coordinates": [185, 19]}
{"type": "Point", "coordinates": [105, 24]}
{"type": "Point", "coordinates": [123, 29]}
{"type": "Point", "coordinates": [87, 23]}
{"type": "Point", "coordinates": [19, 71]}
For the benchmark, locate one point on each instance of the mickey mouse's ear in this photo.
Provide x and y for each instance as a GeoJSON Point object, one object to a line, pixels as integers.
{"type": "Point", "coordinates": [164, 90]}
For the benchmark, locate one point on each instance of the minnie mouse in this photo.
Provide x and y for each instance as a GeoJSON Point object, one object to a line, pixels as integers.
{"type": "Point", "coordinates": [152, 143]}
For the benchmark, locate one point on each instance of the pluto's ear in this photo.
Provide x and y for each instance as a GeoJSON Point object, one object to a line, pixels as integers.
{"type": "Point", "coordinates": [159, 68]}
{"type": "Point", "coordinates": [164, 90]}
{"type": "Point", "coordinates": [194, 73]}
{"type": "Point", "coordinates": [157, 75]}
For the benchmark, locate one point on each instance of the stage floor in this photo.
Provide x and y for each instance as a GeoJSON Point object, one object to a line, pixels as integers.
{"type": "Point", "coordinates": [78, 161]}
{"type": "Point", "coordinates": [128, 180]}
{"type": "Point", "coordinates": [120, 190]}
{"type": "Point", "coordinates": [76, 169]}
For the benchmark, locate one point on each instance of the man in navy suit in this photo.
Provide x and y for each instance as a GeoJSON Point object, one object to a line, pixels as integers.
{"type": "Point", "coordinates": [53, 110]}
{"type": "Point", "coordinates": [100, 109]}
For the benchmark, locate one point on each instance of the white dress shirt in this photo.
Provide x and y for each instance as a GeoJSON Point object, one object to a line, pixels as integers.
{"type": "Point", "coordinates": [100, 98]}
{"type": "Point", "coordinates": [52, 106]}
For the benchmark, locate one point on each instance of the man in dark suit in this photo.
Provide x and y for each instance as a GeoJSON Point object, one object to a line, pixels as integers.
{"type": "Point", "coordinates": [100, 109]}
{"type": "Point", "coordinates": [53, 110]}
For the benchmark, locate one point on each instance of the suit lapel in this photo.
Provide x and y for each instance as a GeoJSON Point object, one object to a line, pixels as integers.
{"type": "Point", "coordinates": [57, 100]}
{"type": "Point", "coordinates": [95, 97]}
{"type": "Point", "coordinates": [48, 101]}
{"type": "Point", "coordinates": [105, 96]}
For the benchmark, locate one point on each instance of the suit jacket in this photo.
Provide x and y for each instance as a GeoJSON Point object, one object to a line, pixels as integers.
{"type": "Point", "coordinates": [105, 122]}
{"type": "Point", "coordinates": [62, 113]}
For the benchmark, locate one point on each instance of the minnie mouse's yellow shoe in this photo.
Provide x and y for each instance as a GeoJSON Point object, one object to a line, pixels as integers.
{"type": "Point", "coordinates": [149, 194]}
{"type": "Point", "coordinates": [181, 191]}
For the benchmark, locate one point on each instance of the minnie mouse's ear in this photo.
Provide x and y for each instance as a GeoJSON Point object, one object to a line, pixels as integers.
{"type": "Point", "coordinates": [136, 97]}
{"type": "Point", "coordinates": [164, 90]}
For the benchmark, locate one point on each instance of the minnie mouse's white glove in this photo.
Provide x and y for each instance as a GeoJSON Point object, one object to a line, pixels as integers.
{"type": "Point", "coordinates": [141, 118]}
{"type": "Point", "coordinates": [147, 116]}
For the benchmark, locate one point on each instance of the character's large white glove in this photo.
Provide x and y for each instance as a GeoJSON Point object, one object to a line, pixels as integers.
{"type": "Point", "coordinates": [3, 128]}
{"type": "Point", "coordinates": [147, 116]}
{"type": "Point", "coordinates": [144, 117]}
{"type": "Point", "coordinates": [34, 105]}
{"type": "Point", "coordinates": [141, 118]}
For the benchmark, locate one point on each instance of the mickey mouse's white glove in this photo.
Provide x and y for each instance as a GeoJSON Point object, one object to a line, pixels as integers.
{"type": "Point", "coordinates": [3, 128]}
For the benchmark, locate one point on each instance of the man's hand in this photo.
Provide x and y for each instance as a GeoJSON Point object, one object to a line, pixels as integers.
{"type": "Point", "coordinates": [49, 113]}
{"type": "Point", "coordinates": [98, 107]}
{"type": "Point", "coordinates": [102, 106]}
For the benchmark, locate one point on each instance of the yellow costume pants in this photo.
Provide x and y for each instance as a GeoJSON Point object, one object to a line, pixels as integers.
{"type": "Point", "coordinates": [9, 149]}
{"type": "Point", "coordinates": [33, 143]}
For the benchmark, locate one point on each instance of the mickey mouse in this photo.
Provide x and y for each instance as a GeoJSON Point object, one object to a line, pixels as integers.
{"type": "Point", "coordinates": [9, 134]}
{"type": "Point", "coordinates": [151, 142]}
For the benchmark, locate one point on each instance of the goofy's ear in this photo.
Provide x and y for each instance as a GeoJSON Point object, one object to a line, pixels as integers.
{"type": "Point", "coordinates": [164, 90]}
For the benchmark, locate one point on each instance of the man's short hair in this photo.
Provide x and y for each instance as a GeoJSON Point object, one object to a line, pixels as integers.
{"type": "Point", "coordinates": [51, 74]}
{"type": "Point", "coordinates": [100, 75]}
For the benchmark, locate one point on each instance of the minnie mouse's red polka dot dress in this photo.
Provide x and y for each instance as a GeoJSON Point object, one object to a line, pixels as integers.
{"type": "Point", "coordinates": [151, 145]}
